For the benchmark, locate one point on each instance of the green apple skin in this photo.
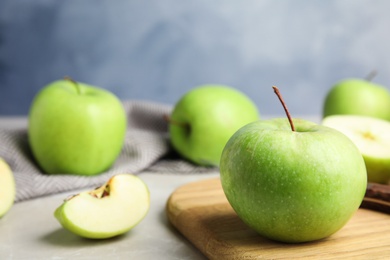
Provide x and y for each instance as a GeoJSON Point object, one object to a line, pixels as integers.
{"type": "Point", "coordinates": [75, 128]}
{"type": "Point", "coordinates": [358, 97]}
{"type": "Point", "coordinates": [211, 113]}
{"type": "Point", "coordinates": [372, 137]}
{"type": "Point", "coordinates": [7, 188]}
{"type": "Point", "coordinates": [292, 186]}
{"type": "Point", "coordinates": [91, 215]}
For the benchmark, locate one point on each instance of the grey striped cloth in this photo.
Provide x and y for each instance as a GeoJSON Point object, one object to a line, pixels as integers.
{"type": "Point", "coordinates": [146, 148]}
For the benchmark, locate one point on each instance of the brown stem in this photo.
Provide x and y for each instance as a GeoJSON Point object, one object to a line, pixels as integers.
{"type": "Point", "coordinates": [371, 75]}
{"type": "Point", "coordinates": [74, 83]}
{"type": "Point", "coordinates": [277, 92]}
{"type": "Point", "coordinates": [168, 119]}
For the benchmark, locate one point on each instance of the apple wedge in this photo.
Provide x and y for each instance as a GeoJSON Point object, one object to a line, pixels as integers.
{"type": "Point", "coordinates": [108, 211]}
{"type": "Point", "coordinates": [372, 137]}
{"type": "Point", "coordinates": [7, 188]}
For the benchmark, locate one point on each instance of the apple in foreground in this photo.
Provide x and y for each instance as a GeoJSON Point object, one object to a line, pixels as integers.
{"type": "Point", "coordinates": [108, 211]}
{"type": "Point", "coordinates": [292, 182]}
{"type": "Point", "coordinates": [7, 188]}
{"type": "Point", "coordinates": [204, 119]}
{"type": "Point", "coordinates": [75, 128]}
{"type": "Point", "coordinates": [372, 137]}
{"type": "Point", "coordinates": [358, 97]}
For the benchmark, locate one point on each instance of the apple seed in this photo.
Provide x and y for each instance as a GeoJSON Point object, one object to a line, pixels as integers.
{"type": "Point", "coordinates": [101, 192]}
{"type": "Point", "coordinates": [106, 192]}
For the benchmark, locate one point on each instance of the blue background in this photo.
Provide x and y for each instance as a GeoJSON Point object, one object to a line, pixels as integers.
{"type": "Point", "coordinates": [159, 49]}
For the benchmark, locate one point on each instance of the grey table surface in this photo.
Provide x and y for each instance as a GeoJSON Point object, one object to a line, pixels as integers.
{"type": "Point", "coordinates": [30, 231]}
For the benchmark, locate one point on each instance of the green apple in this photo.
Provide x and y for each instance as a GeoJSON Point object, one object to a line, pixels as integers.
{"type": "Point", "coordinates": [293, 186]}
{"type": "Point", "coordinates": [372, 137]}
{"type": "Point", "coordinates": [108, 211]}
{"type": "Point", "coordinates": [75, 128]}
{"type": "Point", "coordinates": [292, 180]}
{"type": "Point", "coordinates": [205, 118]}
{"type": "Point", "coordinates": [7, 188]}
{"type": "Point", "coordinates": [358, 97]}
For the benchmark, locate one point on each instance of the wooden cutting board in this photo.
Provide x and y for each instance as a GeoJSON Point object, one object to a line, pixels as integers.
{"type": "Point", "coordinates": [201, 212]}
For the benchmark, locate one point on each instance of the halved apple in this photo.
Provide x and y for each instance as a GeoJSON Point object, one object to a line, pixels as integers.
{"type": "Point", "coordinates": [7, 188]}
{"type": "Point", "coordinates": [110, 210]}
{"type": "Point", "coordinates": [372, 137]}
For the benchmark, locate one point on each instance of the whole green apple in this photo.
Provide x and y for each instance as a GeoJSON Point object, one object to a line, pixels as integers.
{"type": "Point", "coordinates": [358, 97]}
{"type": "Point", "coordinates": [7, 188]}
{"type": "Point", "coordinates": [75, 128]}
{"type": "Point", "coordinates": [372, 137]}
{"type": "Point", "coordinates": [205, 118]}
{"type": "Point", "coordinates": [292, 186]}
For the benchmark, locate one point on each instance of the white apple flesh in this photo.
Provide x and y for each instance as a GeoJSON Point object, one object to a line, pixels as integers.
{"type": "Point", "coordinates": [7, 188]}
{"type": "Point", "coordinates": [372, 137]}
{"type": "Point", "coordinates": [108, 211]}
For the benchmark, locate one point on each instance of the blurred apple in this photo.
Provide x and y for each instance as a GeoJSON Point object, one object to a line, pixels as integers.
{"type": "Point", "coordinates": [108, 211]}
{"type": "Point", "coordinates": [358, 97]}
{"type": "Point", "coordinates": [75, 128]}
{"type": "Point", "coordinates": [7, 188]}
{"type": "Point", "coordinates": [372, 137]}
{"type": "Point", "coordinates": [205, 118]}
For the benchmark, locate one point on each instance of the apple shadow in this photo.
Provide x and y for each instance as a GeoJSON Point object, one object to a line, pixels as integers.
{"type": "Point", "coordinates": [64, 238]}
{"type": "Point", "coordinates": [166, 223]}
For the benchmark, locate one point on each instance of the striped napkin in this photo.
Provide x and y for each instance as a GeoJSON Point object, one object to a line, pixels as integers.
{"type": "Point", "coordinates": [146, 147]}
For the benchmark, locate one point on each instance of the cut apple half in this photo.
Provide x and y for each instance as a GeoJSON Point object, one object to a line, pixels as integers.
{"type": "Point", "coordinates": [7, 188]}
{"type": "Point", "coordinates": [372, 137]}
{"type": "Point", "coordinates": [108, 211]}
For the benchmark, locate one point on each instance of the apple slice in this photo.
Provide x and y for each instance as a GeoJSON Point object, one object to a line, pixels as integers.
{"type": "Point", "coordinates": [372, 137]}
{"type": "Point", "coordinates": [7, 188]}
{"type": "Point", "coordinates": [110, 210]}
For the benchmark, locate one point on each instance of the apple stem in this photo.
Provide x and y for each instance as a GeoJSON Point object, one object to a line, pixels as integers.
{"type": "Point", "coordinates": [174, 122]}
{"type": "Point", "coordinates": [277, 92]}
{"type": "Point", "coordinates": [371, 75]}
{"type": "Point", "coordinates": [74, 83]}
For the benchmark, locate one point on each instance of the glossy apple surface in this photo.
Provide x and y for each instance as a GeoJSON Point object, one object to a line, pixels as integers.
{"type": "Point", "coordinates": [75, 128]}
{"type": "Point", "coordinates": [205, 118]}
{"type": "Point", "coordinates": [372, 137]}
{"type": "Point", "coordinates": [358, 97]}
{"type": "Point", "coordinates": [7, 188]}
{"type": "Point", "coordinates": [108, 211]}
{"type": "Point", "coordinates": [292, 186]}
